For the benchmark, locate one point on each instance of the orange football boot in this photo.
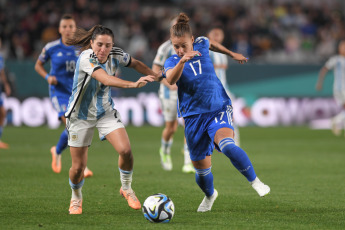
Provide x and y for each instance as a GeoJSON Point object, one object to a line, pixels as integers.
{"type": "Point", "coordinates": [75, 207]}
{"type": "Point", "coordinates": [132, 200]}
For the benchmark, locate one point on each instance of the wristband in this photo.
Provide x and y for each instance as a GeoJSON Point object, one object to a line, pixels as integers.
{"type": "Point", "coordinates": [46, 77]}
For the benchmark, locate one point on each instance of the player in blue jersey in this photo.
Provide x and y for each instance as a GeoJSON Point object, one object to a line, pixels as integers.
{"type": "Point", "coordinates": [220, 63]}
{"type": "Point", "coordinates": [337, 64]}
{"type": "Point", "coordinates": [7, 89]}
{"type": "Point", "coordinates": [206, 108]}
{"type": "Point", "coordinates": [60, 79]}
{"type": "Point", "coordinates": [91, 105]}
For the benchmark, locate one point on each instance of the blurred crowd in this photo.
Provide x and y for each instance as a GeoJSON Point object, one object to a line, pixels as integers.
{"type": "Point", "coordinates": [274, 31]}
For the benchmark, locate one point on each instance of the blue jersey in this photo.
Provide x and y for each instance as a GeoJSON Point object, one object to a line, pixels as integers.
{"type": "Point", "coordinates": [199, 89]}
{"type": "Point", "coordinates": [63, 59]}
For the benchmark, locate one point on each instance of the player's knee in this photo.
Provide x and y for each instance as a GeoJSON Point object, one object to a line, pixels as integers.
{"type": "Point", "coordinates": [126, 152]}
{"type": "Point", "coordinates": [226, 144]}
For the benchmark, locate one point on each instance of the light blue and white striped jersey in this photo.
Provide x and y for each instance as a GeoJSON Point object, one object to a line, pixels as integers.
{"type": "Point", "coordinates": [164, 52]}
{"type": "Point", "coordinates": [220, 62]}
{"type": "Point", "coordinates": [90, 99]}
{"type": "Point", "coordinates": [337, 64]}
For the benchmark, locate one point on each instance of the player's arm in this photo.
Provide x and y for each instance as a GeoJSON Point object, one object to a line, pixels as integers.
{"type": "Point", "coordinates": [174, 74]}
{"type": "Point", "coordinates": [157, 68]}
{"type": "Point", "coordinates": [101, 76]}
{"type": "Point", "coordinates": [5, 82]}
{"type": "Point", "coordinates": [39, 67]}
{"type": "Point", "coordinates": [217, 47]}
{"type": "Point", "coordinates": [144, 69]}
{"type": "Point", "coordinates": [322, 75]}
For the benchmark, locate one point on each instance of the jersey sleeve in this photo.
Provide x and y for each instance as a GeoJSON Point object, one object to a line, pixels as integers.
{"type": "Point", "coordinates": [45, 54]}
{"type": "Point", "coordinates": [330, 64]}
{"type": "Point", "coordinates": [169, 64]}
{"type": "Point", "coordinates": [203, 41]}
{"type": "Point", "coordinates": [123, 58]}
{"type": "Point", "coordinates": [162, 54]}
{"type": "Point", "coordinates": [88, 63]}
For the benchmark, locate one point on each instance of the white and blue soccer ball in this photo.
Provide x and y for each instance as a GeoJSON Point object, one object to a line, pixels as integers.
{"type": "Point", "coordinates": [158, 208]}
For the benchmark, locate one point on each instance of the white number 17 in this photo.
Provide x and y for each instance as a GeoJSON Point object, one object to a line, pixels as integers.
{"type": "Point", "coordinates": [200, 71]}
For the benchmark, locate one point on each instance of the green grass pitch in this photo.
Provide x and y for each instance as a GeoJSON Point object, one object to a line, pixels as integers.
{"type": "Point", "coordinates": [303, 167]}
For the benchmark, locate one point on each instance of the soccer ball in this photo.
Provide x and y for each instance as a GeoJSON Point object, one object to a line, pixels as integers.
{"type": "Point", "coordinates": [158, 208]}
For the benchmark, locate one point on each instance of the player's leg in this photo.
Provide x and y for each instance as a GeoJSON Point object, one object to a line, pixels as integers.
{"type": "Point", "coordinates": [3, 145]}
{"type": "Point", "coordinates": [187, 166]}
{"type": "Point", "coordinates": [120, 141]}
{"type": "Point", "coordinates": [239, 158]}
{"type": "Point", "coordinates": [204, 178]}
{"type": "Point", "coordinates": [201, 148]}
{"type": "Point", "coordinates": [76, 177]}
{"type": "Point", "coordinates": [111, 127]}
{"type": "Point", "coordinates": [338, 120]}
{"type": "Point", "coordinates": [81, 133]}
{"type": "Point", "coordinates": [166, 143]}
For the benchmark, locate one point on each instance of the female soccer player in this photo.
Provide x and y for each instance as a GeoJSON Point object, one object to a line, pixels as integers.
{"type": "Point", "coordinates": [168, 97]}
{"type": "Point", "coordinates": [206, 108]}
{"type": "Point", "coordinates": [60, 80]}
{"type": "Point", "coordinates": [337, 63]}
{"type": "Point", "coordinates": [91, 105]}
{"type": "Point", "coordinates": [7, 89]}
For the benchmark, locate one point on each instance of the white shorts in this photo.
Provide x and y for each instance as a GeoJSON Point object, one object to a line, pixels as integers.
{"type": "Point", "coordinates": [339, 97]}
{"type": "Point", "coordinates": [80, 132]}
{"type": "Point", "coordinates": [169, 109]}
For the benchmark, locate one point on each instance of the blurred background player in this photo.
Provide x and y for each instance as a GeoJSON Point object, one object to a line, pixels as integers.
{"type": "Point", "coordinates": [60, 79]}
{"type": "Point", "coordinates": [337, 64]}
{"type": "Point", "coordinates": [220, 63]}
{"type": "Point", "coordinates": [91, 106]}
{"type": "Point", "coordinates": [7, 89]}
{"type": "Point", "coordinates": [206, 108]}
{"type": "Point", "coordinates": [168, 97]}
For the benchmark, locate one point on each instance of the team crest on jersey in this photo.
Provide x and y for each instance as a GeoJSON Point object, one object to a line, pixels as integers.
{"type": "Point", "coordinates": [77, 53]}
{"type": "Point", "coordinates": [198, 54]}
{"type": "Point", "coordinates": [93, 62]}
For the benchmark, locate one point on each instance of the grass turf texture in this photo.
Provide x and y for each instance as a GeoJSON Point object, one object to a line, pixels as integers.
{"type": "Point", "coordinates": [304, 168]}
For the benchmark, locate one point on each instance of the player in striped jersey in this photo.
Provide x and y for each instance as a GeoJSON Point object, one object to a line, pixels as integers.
{"type": "Point", "coordinates": [60, 79]}
{"type": "Point", "coordinates": [206, 108]}
{"type": "Point", "coordinates": [337, 64]}
{"type": "Point", "coordinates": [168, 97]}
{"type": "Point", "coordinates": [7, 89]}
{"type": "Point", "coordinates": [91, 105]}
{"type": "Point", "coordinates": [220, 63]}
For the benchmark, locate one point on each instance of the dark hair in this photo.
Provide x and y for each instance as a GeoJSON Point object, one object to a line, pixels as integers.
{"type": "Point", "coordinates": [82, 37]}
{"type": "Point", "coordinates": [66, 16]}
{"type": "Point", "coordinates": [181, 27]}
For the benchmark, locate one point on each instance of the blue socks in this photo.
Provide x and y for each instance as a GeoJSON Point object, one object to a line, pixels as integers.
{"type": "Point", "coordinates": [204, 178]}
{"type": "Point", "coordinates": [62, 144]}
{"type": "Point", "coordinates": [238, 158]}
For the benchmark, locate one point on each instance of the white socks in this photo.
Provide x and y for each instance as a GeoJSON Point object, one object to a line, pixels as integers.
{"type": "Point", "coordinates": [126, 179]}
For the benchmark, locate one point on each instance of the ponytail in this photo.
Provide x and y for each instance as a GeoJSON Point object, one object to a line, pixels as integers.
{"type": "Point", "coordinates": [82, 37]}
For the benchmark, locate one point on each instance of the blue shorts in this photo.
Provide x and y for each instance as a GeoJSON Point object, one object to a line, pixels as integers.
{"type": "Point", "coordinates": [1, 101]}
{"type": "Point", "coordinates": [200, 130]}
{"type": "Point", "coordinates": [60, 103]}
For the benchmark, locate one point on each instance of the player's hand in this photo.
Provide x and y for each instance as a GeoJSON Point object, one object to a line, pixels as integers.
{"type": "Point", "coordinates": [172, 87]}
{"type": "Point", "coordinates": [143, 81]}
{"type": "Point", "coordinates": [240, 58]}
{"type": "Point", "coordinates": [189, 55]}
{"type": "Point", "coordinates": [52, 80]}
